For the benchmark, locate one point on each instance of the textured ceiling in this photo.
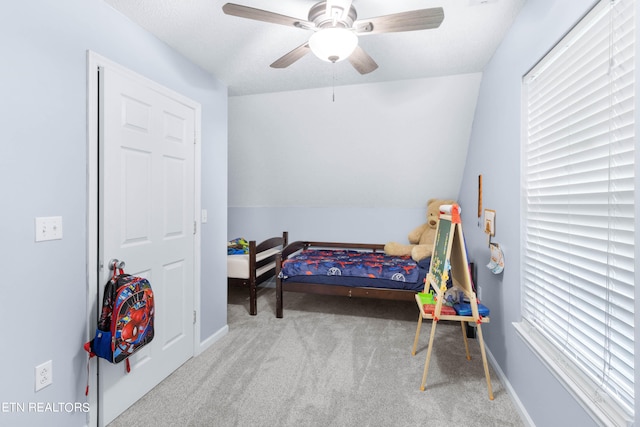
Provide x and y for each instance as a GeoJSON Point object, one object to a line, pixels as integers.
{"type": "Point", "coordinates": [239, 51]}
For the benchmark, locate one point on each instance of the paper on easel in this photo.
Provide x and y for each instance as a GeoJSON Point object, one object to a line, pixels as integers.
{"type": "Point", "coordinates": [446, 209]}
{"type": "Point", "coordinates": [496, 263]}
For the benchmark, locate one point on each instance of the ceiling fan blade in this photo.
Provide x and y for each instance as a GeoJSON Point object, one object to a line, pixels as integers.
{"type": "Point", "coordinates": [422, 19]}
{"type": "Point", "coordinates": [265, 16]}
{"type": "Point", "coordinates": [292, 56]}
{"type": "Point", "coordinates": [362, 62]}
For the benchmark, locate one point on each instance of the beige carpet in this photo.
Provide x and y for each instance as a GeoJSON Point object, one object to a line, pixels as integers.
{"type": "Point", "coordinates": [331, 361]}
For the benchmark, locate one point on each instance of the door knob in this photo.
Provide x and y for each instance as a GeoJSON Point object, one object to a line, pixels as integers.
{"type": "Point", "coordinates": [116, 264]}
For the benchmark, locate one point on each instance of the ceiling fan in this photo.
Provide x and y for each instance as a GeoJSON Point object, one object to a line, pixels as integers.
{"type": "Point", "coordinates": [336, 30]}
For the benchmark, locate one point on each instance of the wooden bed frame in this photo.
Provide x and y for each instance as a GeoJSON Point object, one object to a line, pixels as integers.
{"type": "Point", "coordinates": [254, 280]}
{"type": "Point", "coordinates": [323, 289]}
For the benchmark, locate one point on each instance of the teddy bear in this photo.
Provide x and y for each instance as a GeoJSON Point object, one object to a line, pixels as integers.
{"type": "Point", "coordinates": [422, 237]}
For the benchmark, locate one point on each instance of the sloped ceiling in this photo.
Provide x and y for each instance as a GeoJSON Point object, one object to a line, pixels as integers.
{"type": "Point", "coordinates": [239, 51]}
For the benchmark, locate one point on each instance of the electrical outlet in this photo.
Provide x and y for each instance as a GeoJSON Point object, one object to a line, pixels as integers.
{"type": "Point", "coordinates": [44, 375]}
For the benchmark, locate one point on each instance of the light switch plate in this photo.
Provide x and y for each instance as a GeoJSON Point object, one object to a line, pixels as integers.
{"type": "Point", "coordinates": [48, 228]}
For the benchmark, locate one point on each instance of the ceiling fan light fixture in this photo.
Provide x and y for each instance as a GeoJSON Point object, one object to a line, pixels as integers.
{"type": "Point", "coordinates": [333, 44]}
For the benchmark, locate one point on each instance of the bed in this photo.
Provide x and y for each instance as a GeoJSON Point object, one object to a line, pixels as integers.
{"type": "Point", "coordinates": [257, 266]}
{"type": "Point", "coordinates": [347, 269]}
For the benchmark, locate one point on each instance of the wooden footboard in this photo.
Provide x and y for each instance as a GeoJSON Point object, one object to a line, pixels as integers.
{"type": "Point", "coordinates": [323, 289]}
{"type": "Point", "coordinates": [255, 264]}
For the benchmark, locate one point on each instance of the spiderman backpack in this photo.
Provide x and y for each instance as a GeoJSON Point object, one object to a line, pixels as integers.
{"type": "Point", "coordinates": [126, 320]}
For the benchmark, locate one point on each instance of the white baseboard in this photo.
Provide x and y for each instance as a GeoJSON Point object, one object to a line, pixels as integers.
{"type": "Point", "coordinates": [213, 338]}
{"type": "Point", "coordinates": [512, 393]}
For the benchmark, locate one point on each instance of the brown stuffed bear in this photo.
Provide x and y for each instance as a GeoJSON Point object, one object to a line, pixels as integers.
{"type": "Point", "coordinates": [422, 237]}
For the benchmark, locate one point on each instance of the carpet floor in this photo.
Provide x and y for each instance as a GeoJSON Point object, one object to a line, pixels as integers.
{"type": "Point", "coordinates": [331, 361]}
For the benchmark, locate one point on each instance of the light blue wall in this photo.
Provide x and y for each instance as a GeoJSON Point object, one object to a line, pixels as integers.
{"type": "Point", "coordinates": [326, 224]}
{"type": "Point", "coordinates": [494, 152]}
{"type": "Point", "coordinates": [43, 172]}
{"type": "Point", "coordinates": [357, 169]}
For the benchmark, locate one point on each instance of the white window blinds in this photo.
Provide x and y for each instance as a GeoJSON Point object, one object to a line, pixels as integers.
{"type": "Point", "coordinates": [578, 206]}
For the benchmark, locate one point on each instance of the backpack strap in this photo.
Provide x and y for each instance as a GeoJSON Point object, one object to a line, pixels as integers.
{"type": "Point", "coordinates": [87, 348]}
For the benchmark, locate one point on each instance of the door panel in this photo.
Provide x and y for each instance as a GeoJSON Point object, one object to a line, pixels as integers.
{"type": "Point", "coordinates": [146, 218]}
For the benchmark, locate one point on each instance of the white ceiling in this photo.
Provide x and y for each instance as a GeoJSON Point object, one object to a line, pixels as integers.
{"type": "Point", "coordinates": [239, 51]}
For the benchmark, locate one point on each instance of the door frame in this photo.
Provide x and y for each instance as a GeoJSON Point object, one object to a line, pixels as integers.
{"type": "Point", "coordinates": [94, 61]}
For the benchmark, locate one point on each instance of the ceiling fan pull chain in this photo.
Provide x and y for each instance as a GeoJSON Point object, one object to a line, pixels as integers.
{"type": "Point", "coordinates": [333, 86]}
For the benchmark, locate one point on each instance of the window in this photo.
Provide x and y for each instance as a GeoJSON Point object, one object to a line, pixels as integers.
{"type": "Point", "coordinates": [578, 211]}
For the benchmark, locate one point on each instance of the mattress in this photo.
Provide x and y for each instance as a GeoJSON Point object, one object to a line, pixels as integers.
{"type": "Point", "coordinates": [238, 265]}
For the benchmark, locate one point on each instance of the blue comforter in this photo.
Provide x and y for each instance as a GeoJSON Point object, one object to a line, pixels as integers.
{"type": "Point", "coordinates": [349, 263]}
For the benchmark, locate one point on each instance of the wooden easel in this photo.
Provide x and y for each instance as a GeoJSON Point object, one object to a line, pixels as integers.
{"type": "Point", "coordinates": [450, 257]}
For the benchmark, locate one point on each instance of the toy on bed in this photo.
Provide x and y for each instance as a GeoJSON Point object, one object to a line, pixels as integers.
{"type": "Point", "coordinates": [420, 238]}
{"type": "Point", "coordinates": [347, 269]}
{"type": "Point", "coordinates": [237, 246]}
{"type": "Point", "coordinates": [250, 264]}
